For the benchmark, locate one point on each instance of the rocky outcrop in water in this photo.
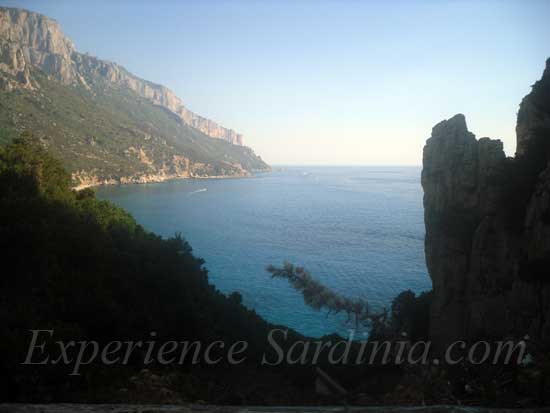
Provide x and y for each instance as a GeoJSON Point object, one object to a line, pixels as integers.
{"type": "Point", "coordinates": [29, 39]}
{"type": "Point", "coordinates": [488, 227]}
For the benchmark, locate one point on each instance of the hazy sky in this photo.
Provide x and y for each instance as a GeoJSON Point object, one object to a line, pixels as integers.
{"type": "Point", "coordinates": [326, 82]}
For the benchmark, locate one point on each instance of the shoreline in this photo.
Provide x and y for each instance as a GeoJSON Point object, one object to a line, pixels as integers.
{"type": "Point", "coordinates": [94, 183]}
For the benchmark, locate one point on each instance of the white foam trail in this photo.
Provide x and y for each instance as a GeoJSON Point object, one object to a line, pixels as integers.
{"type": "Point", "coordinates": [198, 190]}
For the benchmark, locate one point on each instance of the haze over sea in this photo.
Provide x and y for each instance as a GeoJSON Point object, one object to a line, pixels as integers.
{"type": "Point", "coordinates": [359, 230]}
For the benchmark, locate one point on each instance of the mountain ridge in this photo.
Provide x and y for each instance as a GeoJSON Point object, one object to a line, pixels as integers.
{"type": "Point", "coordinates": [44, 34]}
{"type": "Point", "coordinates": [40, 65]}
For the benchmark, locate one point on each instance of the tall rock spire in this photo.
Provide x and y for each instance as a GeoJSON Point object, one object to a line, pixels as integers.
{"type": "Point", "coordinates": [488, 227]}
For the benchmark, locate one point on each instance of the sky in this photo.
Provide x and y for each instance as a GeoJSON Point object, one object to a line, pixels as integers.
{"type": "Point", "coordinates": [326, 82]}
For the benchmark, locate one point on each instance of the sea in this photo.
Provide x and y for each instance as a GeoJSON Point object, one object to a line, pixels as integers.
{"type": "Point", "coordinates": [358, 230]}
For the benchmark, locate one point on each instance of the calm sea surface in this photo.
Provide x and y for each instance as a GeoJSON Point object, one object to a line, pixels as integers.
{"type": "Point", "coordinates": [359, 230]}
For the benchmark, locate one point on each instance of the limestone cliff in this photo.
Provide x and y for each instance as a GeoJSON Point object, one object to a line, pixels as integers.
{"type": "Point", "coordinates": [104, 123]}
{"type": "Point", "coordinates": [30, 39]}
{"type": "Point", "coordinates": [488, 227]}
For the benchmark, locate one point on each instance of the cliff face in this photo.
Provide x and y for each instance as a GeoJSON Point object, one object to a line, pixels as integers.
{"type": "Point", "coordinates": [29, 39]}
{"type": "Point", "coordinates": [488, 227]}
{"type": "Point", "coordinates": [105, 124]}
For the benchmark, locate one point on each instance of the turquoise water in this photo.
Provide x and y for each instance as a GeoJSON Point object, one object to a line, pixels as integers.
{"type": "Point", "coordinates": [359, 230]}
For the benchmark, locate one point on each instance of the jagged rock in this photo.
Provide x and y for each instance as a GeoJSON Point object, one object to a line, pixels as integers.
{"type": "Point", "coordinates": [488, 227]}
{"type": "Point", "coordinates": [28, 38]}
{"type": "Point", "coordinates": [533, 112]}
{"type": "Point", "coordinates": [106, 125]}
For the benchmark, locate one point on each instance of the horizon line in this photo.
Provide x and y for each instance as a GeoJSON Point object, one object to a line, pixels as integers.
{"type": "Point", "coordinates": [348, 165]}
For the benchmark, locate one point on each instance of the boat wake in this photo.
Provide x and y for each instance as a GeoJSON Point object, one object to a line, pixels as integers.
{"type": "Point", "coordinates": [197, 191]}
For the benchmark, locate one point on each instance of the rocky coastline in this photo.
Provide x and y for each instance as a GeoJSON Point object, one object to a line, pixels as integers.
{"type": "Point", "coordinates": [104, 123]}
{"type": "Point", "coordinates": [94, 181]}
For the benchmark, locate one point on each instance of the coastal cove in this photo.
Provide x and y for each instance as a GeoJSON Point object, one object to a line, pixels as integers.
{"type": "Point", "coordinates": [260, 207]}
{"type": "Point", "coordinates": [354, 228]}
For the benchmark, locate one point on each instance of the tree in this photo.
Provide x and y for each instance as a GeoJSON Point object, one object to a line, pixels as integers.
{"type": "Point", "coordinates": [320, 297]}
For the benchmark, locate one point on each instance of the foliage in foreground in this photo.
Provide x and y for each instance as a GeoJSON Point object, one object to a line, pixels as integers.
{"type": "Point", "coordinates": [409, 314]}
{"type": "Point", "coordinates": [86, 269]}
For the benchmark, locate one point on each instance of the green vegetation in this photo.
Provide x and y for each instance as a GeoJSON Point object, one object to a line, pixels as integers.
{"type": "Point", "coordinates": [409, 314]}
{"type": "Point", "coordinates": [319, 297]}
{"type": "Point", "coordinates": [86, 269]}
{"type": "Point", "coordinates": [101, 132]}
